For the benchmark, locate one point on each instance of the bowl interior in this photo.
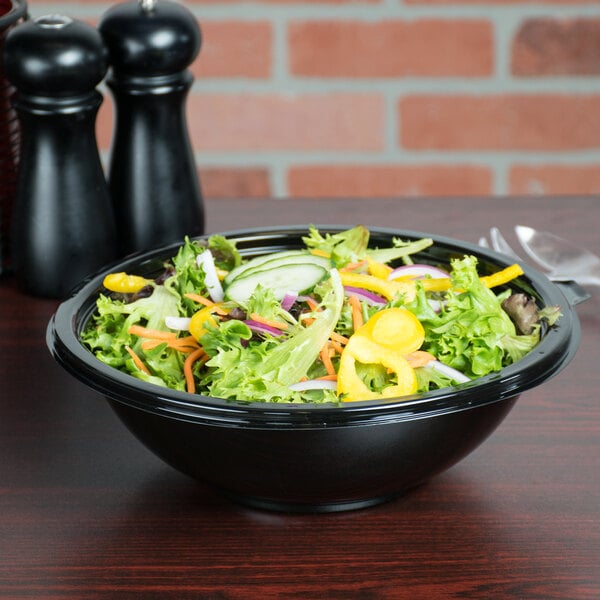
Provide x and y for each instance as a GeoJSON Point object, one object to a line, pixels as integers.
{"type": "Point", "coordinates": [555, 350]}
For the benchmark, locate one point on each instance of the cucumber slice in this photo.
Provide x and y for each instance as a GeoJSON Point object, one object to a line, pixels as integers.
{"type": "Point", "coordinates": [291, 277]}
{"type": "Point", "coordinates": [276, 263]}
{"type": "Point", "coordinates": [276, 258]}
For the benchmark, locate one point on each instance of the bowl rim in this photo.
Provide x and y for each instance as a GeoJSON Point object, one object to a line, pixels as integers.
{"type": "Point", "coordinates": [553, 353]}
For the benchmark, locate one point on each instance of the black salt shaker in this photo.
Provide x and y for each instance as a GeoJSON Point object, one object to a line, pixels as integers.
{"type": "Point", "coordinates": [153, 180]}
{"type": "Point", "coordinates": [63, 226]}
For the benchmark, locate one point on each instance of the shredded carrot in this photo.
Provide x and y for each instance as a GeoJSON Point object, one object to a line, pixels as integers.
{"type": "Point", "coordinates": [326, 359]}
{"type": "Point", "coordinates": [200, 299]}
{"type": "Point", "coordinates": [184, 344]}
{"type": "Point", "coordinates": [336, 346]}
{"type": "Point", "coordinates": [312, 304]}
{"type": "Point", "coordinates": [155, 337]}
{"type": "Point", "coordinates": [357, 318]}
{"type": "Point", "coordinates": [308, 320]}
{"type": "Point", "coordinates": [355, 265]}
{"type": "Point", "coordinates": [206, 302]}
{"type": "Point", "coordinates": [138, 361]}
{"type": "Point", "coordinates": [187, 369]}
{"type": "Point", "coordinates": [336, 337]}
{"type": "Point", "coordinates": [260, 319]}
{"type": "Point", "coordinates": [419, 358]}
{"type": "Point", "coordinates": [327, 378]}
{"type": "Point", "coordinates": [155, 334]}
{"type": "Point", "coordinates": [151, 344]}
{"type": "Point", "coordinates": [188, 340]}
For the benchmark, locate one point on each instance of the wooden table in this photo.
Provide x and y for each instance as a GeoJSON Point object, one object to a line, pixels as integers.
{"type": "Point", "coordinates": [87, 512]}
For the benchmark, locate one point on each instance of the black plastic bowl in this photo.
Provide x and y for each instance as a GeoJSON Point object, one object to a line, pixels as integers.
{"type": "Point", "coordinates": [314, 457]}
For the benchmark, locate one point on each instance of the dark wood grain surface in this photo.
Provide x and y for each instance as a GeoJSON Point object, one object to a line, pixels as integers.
{"type": "Point", "coordinates": [87, 512]}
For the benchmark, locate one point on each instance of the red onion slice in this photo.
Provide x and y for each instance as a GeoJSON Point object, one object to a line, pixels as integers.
{"type": "Point", "coordinates": [314, 384]}
{"type": "Point", "coordinates": [258, 327]}
{"type": "Point", "coordinates": [417, 272]}
{"type": "Point", "coordinates": [288, 300]}
{"type": "Point", "coordinates": [365, 295]}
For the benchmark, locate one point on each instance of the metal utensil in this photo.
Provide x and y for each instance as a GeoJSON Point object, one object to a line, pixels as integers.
{"type": "Point", "coordinates": [558, 258]}
{"type": "Point", "coordinates": [559, 255]}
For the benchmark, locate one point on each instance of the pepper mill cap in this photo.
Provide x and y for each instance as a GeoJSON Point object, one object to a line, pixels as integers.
{"type": "Point", "coordinates": [150, 38]}
{"type": "Point", "coordinates": [55, 56]}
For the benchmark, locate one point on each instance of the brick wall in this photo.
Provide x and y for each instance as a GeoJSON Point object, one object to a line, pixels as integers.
{"type": "Point", "coordinates": [390, 97]}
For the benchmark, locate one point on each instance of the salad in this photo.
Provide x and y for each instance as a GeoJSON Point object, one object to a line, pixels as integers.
{"type": "Point", "coordinates": [335, 321]}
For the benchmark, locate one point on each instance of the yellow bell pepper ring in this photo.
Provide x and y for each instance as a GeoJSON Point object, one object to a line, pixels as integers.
{"type": "Point", "coordinates": [124, 283]}
{"type": "Point", "coordinates": [387, 289]}
{"type": "Point", "coordinates": [360, 348]}
{"type": "Point", "coordinates": [499, 278]}
{"type": "Point", "coordinates": [200, 318]}
{"type": "Point", "coordinates": [384, 339]}
{"type": "Point", "coordinates": [377, 269]}
{"type": "Point", "coordinates": [502, 277]}
{"type": "Point", "coordinates": [391, 289]}
{"type": "Point", "coordinates": [395, 329]}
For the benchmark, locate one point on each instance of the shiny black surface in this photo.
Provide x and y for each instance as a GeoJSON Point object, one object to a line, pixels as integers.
{"type": "Point", "coordinates": [315, 457]}
{"type": "Point", "coordinates": [159, 42]}
{"type": "Point", "coordinates": [153, 181]}
{"type": "Point", "coordinates": [63, 226]}
{"type": "Point", "coordinates": [54, 56]}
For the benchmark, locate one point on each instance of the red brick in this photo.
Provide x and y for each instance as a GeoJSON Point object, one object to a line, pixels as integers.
{"type": "Point", "coordinates": [415, 2]}
{"type": "Point", "coordinates": [428, 47]}
{"type": "Point", "coordinates": [507, 122]}
{"type": "Point", "coordinates": [104, 123]}
{"type": "Point", "coordinates": [504, 2]}
{"type": "Point", "coordinates": [39, 5]}
{"type": "Point", "coordinates": [388, 181]}
{"type": "Point", "coordinates": [324, 2]}
{"type": "Point", "coordinates": [552, 47]}
{"type": "Point", "coordinates": [234, 49]}
{"type": "Point", "coordinates": [555, 179]}
{"type": "Point", "coordinates": [252, 122]}
{"type": "Point", "coordinates": [274, 122]}
{"type": "Point", "coordinates": [45, 7]}
{"type": "Point", "coordinates": [235, 182]}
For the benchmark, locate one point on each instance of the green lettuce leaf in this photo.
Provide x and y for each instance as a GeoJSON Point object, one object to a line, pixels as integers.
{"type": "Point", "coordinates": [472, 333]}
{"type": "Point", "coordinates": [264, 303]}
{"type": "Point", "coordinates": [109, 336]}
{"type": "Point", "coordinates": [264, 371]}
{"type": "Point", "coordinates": [343, 247]}
{"type": "Point", "coordinates": [351, 246]}
{"type": "Point", "coordinates": [225, 252]}
{"type": "Point", "coordinates": [401, 250]}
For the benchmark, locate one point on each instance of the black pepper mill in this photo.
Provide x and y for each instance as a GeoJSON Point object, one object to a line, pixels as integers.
{"type": "Point", "coordinates": [152, 178]}
{"type": "Point", "coordinates": [63, 227]}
